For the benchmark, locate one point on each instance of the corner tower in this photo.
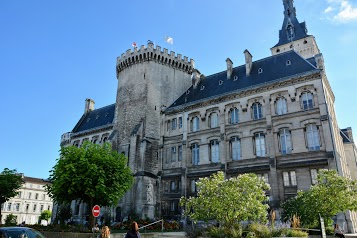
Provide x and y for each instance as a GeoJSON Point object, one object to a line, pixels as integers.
{"type": "Point", "coordinates": [293, 35]}
{"type": "Point", "coordinates": [149, 79]}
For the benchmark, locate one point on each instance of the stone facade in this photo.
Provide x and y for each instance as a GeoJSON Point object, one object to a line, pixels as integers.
{"type": "Point", "coordinates": [28, 205]}
{"type": "Point", "coordinates": [274, 117]}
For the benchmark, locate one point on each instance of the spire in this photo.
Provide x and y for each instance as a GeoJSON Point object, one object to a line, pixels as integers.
{"type": "Point", "coordinates": [292, 29]}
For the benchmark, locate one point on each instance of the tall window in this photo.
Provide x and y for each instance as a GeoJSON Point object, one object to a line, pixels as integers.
{"type": "Point", "coordinates": [29, 195]}
{"type": "Point", "coordinates": [173, 154]}
{"type": "Point", "coordinates": [17, 206]}
{"type": "Point", "coordinates": [34, 207]}
{"type": "Point", "coordinates": [195, 124]}
{"type": "Point", "coordinates": [180, 153]}
{"type": "Point", "coordinates": [214, 120]}
{"type": "Point", "coordinates": [313, 173]}
{"type": "Point", "coordinates": [173, 124]}
{"type": "Point", "coordinates": [257, 111]}
{"type": "Point", "coordinates": [289, 178]}
{"type": "Point", "coordinates": [312, 136]}
{"type": "Point", "coordinates": [235, 148]}
{"type": "Point", "coordinates": [307, 101]}
{"type": "Point", "coordinates": [9, 206]}
{"type": "Point", "coordinates": [281, 106]}
{"type": "Point", "coordinates": [173, 186]}
{"type": "Point", "coordinates": [36, 196]}
{"type": "Point", "coordinates": [28, 206]}
{"type": "Point", "coordinates": [195, 154]}
{"type": "Point", "coordinates": [173, 206]}
{"type": "Point", "coordinates": [260, 144]}
{"type": "Point", "coordinates": [285, 141]}
{"type": "Point", "coordinates": [264, 177]}
{"type": "Point", "coordinates": [233, 117]}
{"type": "Point", "coordinates": [41, 208]}
{"type": "Point", "coordinates": [193, 186]}
{"type": "Point", "coordinates": [180, 122]}
{"type": "Point", "coordinates": [215, 151]}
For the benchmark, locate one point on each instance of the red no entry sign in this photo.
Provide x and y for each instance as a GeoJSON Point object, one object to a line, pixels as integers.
{"type": "Point", "coordinates": [96, 211]}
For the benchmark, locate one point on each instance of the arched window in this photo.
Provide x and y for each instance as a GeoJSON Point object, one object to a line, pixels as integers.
{"type": "Point", "coordinates": [235, 148]}
{"type": "Point", "coordinates": [195, 124]}
{"type": "Point", "coordinates": [260, 144]}
{"type": "Point", "coordinates": [285, 141]}
{"type": "Point", "coordinates": [307, 101]}
{"type": "Point", "coordinates": [233, 116]}
{"type": "Point", "coordinates": [281, 106]}
{"type": "Point", "coordinates": [214, 151]}
{"type": "Point", "coordinates": [195, 149]}
{"type": "Point", "coordinates": [290, 32]}
{"type": "Point", "coordinates": [213, 120]}
{"type": "Point", "coordinates": [257, 111]}
{"type": "Point", "coordinates": [312, 137]}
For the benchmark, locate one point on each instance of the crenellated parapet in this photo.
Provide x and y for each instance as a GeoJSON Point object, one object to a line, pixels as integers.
{"type": "Point", "coordinates": [150, 53]}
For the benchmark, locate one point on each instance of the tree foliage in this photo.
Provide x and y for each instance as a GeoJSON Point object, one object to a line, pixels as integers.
{"type": "Point", "coordinates": [45, 215]}
{"type": "Point", "coordinates": [64, 213]}
{"type": "Point", "coordinates": [332, 194]}
{"type": "Point", "coordinates": [11, 220]}
{"type": "Point", "coordinates": [93, 174]}
{"type": "Point", "coordinates": [228, 200]}
{"type": "Point", "coordinates": [10, 183]}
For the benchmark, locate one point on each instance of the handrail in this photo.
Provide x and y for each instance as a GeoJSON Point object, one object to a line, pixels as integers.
{"type": "Point", "coordinates": [162, 225]}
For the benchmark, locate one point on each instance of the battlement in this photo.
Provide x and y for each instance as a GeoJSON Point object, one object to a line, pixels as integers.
{"type": "Point", "coordinates": [150, 53]}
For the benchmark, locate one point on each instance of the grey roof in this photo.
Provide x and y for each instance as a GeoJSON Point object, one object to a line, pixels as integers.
{"type": "Point", "coordinates": [274, 68]}
{"type": "Point", "coordinates": [96, 118]}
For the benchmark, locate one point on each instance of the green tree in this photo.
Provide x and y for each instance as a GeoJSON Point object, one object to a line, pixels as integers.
{"type": "Point", "coordinates": [11, 220]}
{"type": "Point", "coordinates": [93, 174]}
{"type": "Point", "coordinates": [64, 213]}
{"type": "Point", "coordinates": [331, 195]}
{"type": "Point", "coordinates": [228, 201]}
{"type": "Point", "coordinates": [10, 183]}
{"type": "Point", "coordinates": [45, 215]}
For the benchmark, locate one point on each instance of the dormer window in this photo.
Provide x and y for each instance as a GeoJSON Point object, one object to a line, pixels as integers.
{"type": "Point", "coordinates": [260, 70]}
{"type": "Point", "coordinates": [290, 32]}
{"type": "Point", "coordinates": [288, 62]}
{"type": "Point", "coordinates": [187, 92]}
{"type": "Point", "coordinates": [235, 78]}
{"type": "Point", "coordinates": [202, 87]}
{"type": "Point", "coordinates": [277, 50]}
{"type": "Point", "coordinates": [220, 82]}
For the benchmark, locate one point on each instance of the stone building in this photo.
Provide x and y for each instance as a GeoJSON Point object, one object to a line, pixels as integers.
{"type": "Point", "coordinates": [274, 117]}
{"type": "Point", "coordinates": [28, 205]}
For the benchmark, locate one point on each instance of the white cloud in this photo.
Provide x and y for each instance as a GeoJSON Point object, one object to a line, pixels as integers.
{"type": "Point", "coordinates": [341, 11]}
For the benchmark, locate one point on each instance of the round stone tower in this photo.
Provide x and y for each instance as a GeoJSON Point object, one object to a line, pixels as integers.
{"type": "Point", "coordinates": [148, 80]}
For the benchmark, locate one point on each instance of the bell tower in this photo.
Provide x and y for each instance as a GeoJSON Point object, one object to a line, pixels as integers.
{"type": "Point", "coordinates": [293, 35]}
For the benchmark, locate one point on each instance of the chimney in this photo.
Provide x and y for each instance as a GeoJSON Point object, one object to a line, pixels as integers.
{"type": "Point", "coordinates": [248, 62]}
{"type": "Point", "coordinates": [229, 68]}
{"type": "Point", "coordinates": [89, 105]}
{"type": "Point", "coordinates": [196, 76]}
{"type": "Point", "coordinates": [320, 61]}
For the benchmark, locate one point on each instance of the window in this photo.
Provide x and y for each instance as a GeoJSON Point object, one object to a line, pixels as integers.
{"type": "Point", "coordinates": [290, 32]}
{"type": "Point", "coordinates": [285, 141]}
{"type": "Point", "coordinates": [289, 178]}
{"type": "Point", "coordinates": [34, 207]}
{"type": "Point", "coordinates": [281, 106]}
{"type": "Point", "coordinates": [214, 151]}
{"type": "Point", "coordinates": [19, 194]}
{"type": "Point", "coordinates": [180, 122]}
{"type": "Point", "coordinates": [166, 186]}
{"type": "Point", "coordinates": [259, 144]}
{"type": "Point", "coordinates": [173, 124]}
{"type": "Point", "coordinates": [49, 208]}
{"type": "Point", "coordinates": [213, 120]}
{"type": "Point", "coordinates": [36, 196]}
{"type": "Point", "coordinates": [288, 62]}
{"type": "Point", "coordinates": [193, 186]}
{"type": "Point", "coordinates": [313, 173]}
{"type": "Point", "coordinates": [76, 211]}
{"type": "Point", "coordinates": [180, 153]}
{"type": "Point", "coordinates": [235, 148]}
{"type": "Point", "coordinates": [29, 195]}
{"type": "Point", "coordinates": [257, 111]}
{"type": "Point", "coordinates": [195, 124]}
{"type": "Point", "coordinates": [17, 207]}
{"type": "Point", "coordinates": [195, 154]}
{"type": "Point", "coordinates": [173, 154]}
{"type": "Point", "coordinates": [264, 177]}
{"type": "Point", "coordinates": [312, 136]}
{"type": "Point", "coordinates": [9, 206]}
{"type": "Point", "coordinates": [41, 208]}
{"type": "Point", "coordinates": [260, 70]}
{"type": "Point", "coordinates": [307, 101]}
{"type": "Point", "coordinates": [173, 186]}
{"type": "Point", "coordinates": [27, 207]}
{"type": "Point", "coordinates": [172, 206]}
{"type": "Point", "coordinates": [233, 116]}
{"type": "Point", "coordinates": [43, 196]}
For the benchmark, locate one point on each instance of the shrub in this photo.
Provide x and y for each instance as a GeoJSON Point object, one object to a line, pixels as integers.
{"type": "Point", "coordinates": [11, 220]}
{"type": "Point", "coordinates": [259, 230]}
{"type": "Point", "coordinates": [296, 233]}
{"type": "Point", "coordinates": [193, 231]}
{"type": "Point", "coordinates": [222, 232]}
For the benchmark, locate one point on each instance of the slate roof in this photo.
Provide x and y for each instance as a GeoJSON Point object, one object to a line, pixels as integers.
{"type": "Point", "coordinates": [274, 69]}
{"type": "Point", "coordinates": [96, 118]}
{"type": "Point", "coordinates": [36, 180]}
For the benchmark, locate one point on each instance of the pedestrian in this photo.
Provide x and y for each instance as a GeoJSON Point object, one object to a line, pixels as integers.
{"type": "Point", "coordinates": [95, 229]}
{"type": "Point", "coordinates": [105, 233]}
{"type": "Point", "coordinates": [338, 231]}
{"type": "Point", "coordinates": [134, 231]}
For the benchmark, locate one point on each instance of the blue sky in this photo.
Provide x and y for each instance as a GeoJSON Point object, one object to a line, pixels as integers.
{"type": "Point", "coordinates": [55, 54]}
